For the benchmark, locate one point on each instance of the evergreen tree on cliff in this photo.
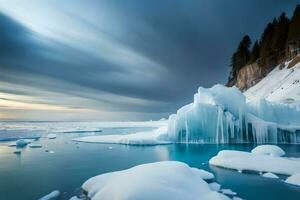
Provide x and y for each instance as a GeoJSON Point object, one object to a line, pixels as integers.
{"type": "Point", "coordinates": [294, 28]}
{"type": "Point", "coordinates": [240, 58]}
{"type": "Point", "coordinates": [266, 51]}
{"type": "Point", "coordinates": [279, 39]}
{"type": "Point", "coordinates": [254, 55]}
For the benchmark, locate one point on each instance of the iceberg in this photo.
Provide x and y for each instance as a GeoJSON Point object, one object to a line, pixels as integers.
{"type": "Point", "coordinates": [22, 142]}
{"type": "Point", "coordinates": [166, 180]}
{"type": "Point", "coordinates": [223, 115]}
{"type": "Point", "coordinates": [294, 179]}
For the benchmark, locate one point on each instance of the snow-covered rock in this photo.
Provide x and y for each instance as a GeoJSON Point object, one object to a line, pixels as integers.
{"type": "Point", "coordinates": [51, 136]}
{"type": "Point", "coordinates": [294, 179]}
{"type": "Point", "coordinates": [51, 196]}
{"type": "Point", "coordinates": [240, 160]}
{"type": "Point", "coordinates": [167, 180]}
{"type": "Point", "coordinates": [270, 175]}
{"type": "Point", "coordinates": [271, 150]}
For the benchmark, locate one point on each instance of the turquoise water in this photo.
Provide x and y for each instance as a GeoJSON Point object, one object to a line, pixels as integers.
{"type": "Point", "coordinates": [36, 172]}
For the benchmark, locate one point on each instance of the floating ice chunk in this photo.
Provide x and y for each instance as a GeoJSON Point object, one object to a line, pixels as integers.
{"type": "Point", "coordinates": [51, 136]}
{"type": "Point", "coordinates": [240, 160]}
{"type": "Point", "coordinates": [294, 179]}
{"type": "Point", "coordinates": [270, 175]}
{"type": "Point", "coordinates": [22, 142]}
{"type": "Point", "coordinates": [167, 180]}
{"type": "Point", "coordinates": [272, 150]}
{"type": "Point", "coordinates": [228, 192]}
{"type": "Point", "coordinates": [237, 198]}
{"type": "Point", "coordinates": [35, 145]}
{"type": "Point", "coordinates": [51, 196]}
{"type": "Point", "coordinates": [75, 198]}
{"type": "Point", "coordinates": [215, 186]}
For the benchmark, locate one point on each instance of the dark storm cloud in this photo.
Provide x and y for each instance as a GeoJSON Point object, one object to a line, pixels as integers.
{"type": "Point", "coordinates": [156, 51]}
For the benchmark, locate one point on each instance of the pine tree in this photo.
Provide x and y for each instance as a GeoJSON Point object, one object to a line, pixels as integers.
{"type": "Point", "coordinates": [241, 57]}
{"type": "Point", "coordinates": [280, 37]}
{"type": "Point", "coordinates": [254, 55]}
{"type": "Point", "coordinates": [294, 28]}
{"type": "Point", "coordinates": [265, 54]}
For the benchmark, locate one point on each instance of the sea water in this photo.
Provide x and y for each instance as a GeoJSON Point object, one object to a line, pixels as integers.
{"type": "Point", "coordinates": [62, 164]}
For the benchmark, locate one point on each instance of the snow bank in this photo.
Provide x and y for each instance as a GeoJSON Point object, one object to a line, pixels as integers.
{"type": "Point", "coordinates": [168, 180]}
{"type": "Point", "coordinates": [240, 160]}
{"type": "Point", "coordinates": [294, 179]}
{"type": "Point", "coordinates": [141, 138]}
{"type": "Point", "coordinates": [271, 150]}
{"type": "Point", "coordinates": [51, 196]}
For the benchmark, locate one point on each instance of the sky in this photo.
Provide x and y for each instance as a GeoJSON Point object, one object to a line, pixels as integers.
{"type": "Point", "coordinates": [115, 60]}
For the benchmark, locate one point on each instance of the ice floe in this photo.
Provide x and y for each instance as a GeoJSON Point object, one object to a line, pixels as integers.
{"type": "Point", "coordinates": [270, 175]}
{"type": "Point", "coordinates": [140, 138]}
{"type": "Point", "coordinates": [240, 160]}
{"type": "Point", "coordinates": [51, 196]}
{"type": "Point", "coordinates": [271, 150]}
{"type": "Point", "coordinates": [167, 180]}
{"type": "Point", "coordinates": [51, 136]}
{"type": "Point", "coordinates": [35, 145]}
{"type": "Point", "coordinates": [294, 179]}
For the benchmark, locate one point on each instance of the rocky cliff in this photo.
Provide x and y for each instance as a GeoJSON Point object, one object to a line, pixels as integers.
{"type": "Point", "coordinates": [249, 75]}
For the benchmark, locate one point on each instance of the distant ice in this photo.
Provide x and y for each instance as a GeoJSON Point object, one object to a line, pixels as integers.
{"type": "Point", "coordinates": [35, 145]}
{"type": "Point", "coordinates": [51, 136]}
{"type": "Point", "coordinates": [51, 196]}
{"type": "Point", "coordinates": [167, 180]}
{"type": "Point", "coordinates": [141, 138]}
{"type": "Point", "coordinates": [294, 179]}
{"type": "Point", "coordinates": [240, 160]}
{"type": "Point", "coordinates": [271, 150]}
{"type": "Point", "coordinates": [270, 175]}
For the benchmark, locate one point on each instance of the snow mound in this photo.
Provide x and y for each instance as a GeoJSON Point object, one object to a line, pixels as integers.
{"type": "Point", "coordinates": [51, 196]}
{"type": "Point", "coordinates": [167, 180]}
{"type": "Point", "coordinates": [51, 136]}
{"type": "Point", "coordinates": [240, 160]}
{"type": "Point", "coordinates": [270, 175]}
{"type": "Point", "coordinates": [294, 179]}
{"type": "Point", "coordinates": [271, 150]}
{"type": "Point", "coordinates": [141, 138]}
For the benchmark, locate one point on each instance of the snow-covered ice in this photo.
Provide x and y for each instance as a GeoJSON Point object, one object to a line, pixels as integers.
{"type": "Point", "coordinates": [270, 175]}
{"type": "Point", "coordinates": [240, 160]}
{"type": "Point", "coordinates": [215, 186]}
{"type": "Point", "coordinates": [51, 196]}
{"type": "Point", "coordinates": [167, 180]}
{"type": "Point", "coordinates": [294, 179]}
{"type": "Point", "coordinates": [35, 145]}
{"type": "Point", "coordinates": [51, 136]}
{"type": "Point", "coordinates": [140, 138]}
{"type": "Point", "coordinates": [271, 150]}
